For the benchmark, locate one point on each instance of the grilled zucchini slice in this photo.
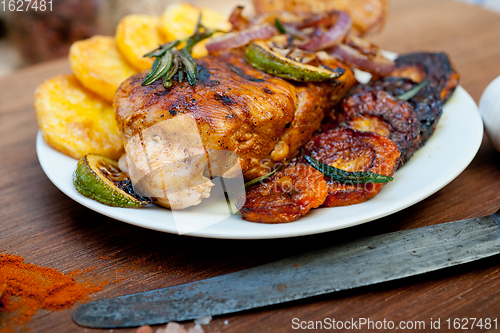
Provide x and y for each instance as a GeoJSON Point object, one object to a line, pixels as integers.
{"type": "Point", "coordinates": [261, 56]}
{"type": "Point", "coordinates": [99, 178]}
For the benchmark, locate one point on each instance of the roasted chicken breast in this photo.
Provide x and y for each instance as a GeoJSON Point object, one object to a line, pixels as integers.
{"type": "Point", "coordinates": [261, 118]}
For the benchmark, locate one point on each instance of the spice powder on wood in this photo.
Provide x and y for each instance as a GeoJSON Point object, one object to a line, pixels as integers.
{"type": "Point", "coordinates": [30, 288]}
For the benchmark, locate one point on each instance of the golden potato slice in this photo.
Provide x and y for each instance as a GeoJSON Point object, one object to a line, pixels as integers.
{"type": "Point", "coordinates": [179, 21]}
{"type": "Point", "coordinates": [135, 36]}
{"type": "Point", "coordinates": [75, 121]}
{"type": "Point", "coordinates": [99, 66]}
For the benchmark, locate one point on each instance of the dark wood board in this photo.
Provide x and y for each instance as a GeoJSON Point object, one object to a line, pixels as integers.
{"type": "Point", "coordinates": [40, 223]}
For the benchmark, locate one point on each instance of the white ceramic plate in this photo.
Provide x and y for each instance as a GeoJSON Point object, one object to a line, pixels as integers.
{"type": "Point", "coordinates": [447, 153]}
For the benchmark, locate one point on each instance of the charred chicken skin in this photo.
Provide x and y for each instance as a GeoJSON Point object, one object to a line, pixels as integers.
{"type": "Point", "coordinates": [261, 118]}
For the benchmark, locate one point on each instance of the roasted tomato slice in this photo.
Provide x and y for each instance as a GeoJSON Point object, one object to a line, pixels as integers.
{"type": "Point", "coordinates": [341, 149]}
{"type": "Point", "coordinates": [370, 151]}
{"type": "Point", "coordinates": [436, 67]}
{"type": "Point", "coordinates": [427, 102]}
{"type": "Point", "coordinates": [286, 196]}
{"type": "Point", "coordinates": [368, 109]}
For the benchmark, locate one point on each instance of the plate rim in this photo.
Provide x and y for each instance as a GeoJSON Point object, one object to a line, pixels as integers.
{"type": "Point", "coordinates": [116, 213]}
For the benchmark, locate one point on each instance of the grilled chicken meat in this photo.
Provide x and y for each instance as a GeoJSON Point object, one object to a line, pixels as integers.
{"type": "Point", "coordinates": [236, 108]}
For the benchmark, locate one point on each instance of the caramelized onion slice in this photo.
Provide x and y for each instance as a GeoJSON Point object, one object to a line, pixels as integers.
{"type": "Point", "coordinates": [240, 38]}
{"type": "Point", "coordinates": [332, 36]}
{"type": "Point", "coordinates": [237, 20]}
{"type": "Point", "coordinates": [375, 64]}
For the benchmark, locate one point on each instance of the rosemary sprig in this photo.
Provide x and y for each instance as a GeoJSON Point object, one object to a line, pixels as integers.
{"type": "Point", "coordinates": [169, 60]}
{"type": "Point", "coordinates": [413, 91]}
{"type": "Point", "coordinates": [279, 26]}
{"type": "Point", "coordinates": [248, 184]}
{"type": "Point", "coordinates": [360, 177]}
{"type": "Point", "coordinates": [258, 180]}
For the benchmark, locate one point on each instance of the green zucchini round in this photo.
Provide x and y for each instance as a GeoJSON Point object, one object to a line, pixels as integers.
{"type": "Point", "coordinates": [99, 178]}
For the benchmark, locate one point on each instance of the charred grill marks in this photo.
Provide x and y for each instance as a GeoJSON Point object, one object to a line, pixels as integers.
{"type": "Point", "coordinates": [242, 74]}
{"type": "Point", "coordinates": [225, 100]}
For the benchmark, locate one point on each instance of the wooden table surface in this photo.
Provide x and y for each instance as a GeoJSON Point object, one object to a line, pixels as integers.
{"type": "Point", "coordinates": [40, 223]}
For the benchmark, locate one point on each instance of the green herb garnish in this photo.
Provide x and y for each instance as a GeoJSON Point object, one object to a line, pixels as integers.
{"type": "Point", "coordinates": [413, 91]}
{"type": "Point", "coordinates": [279, 26]}
{"type": "Point", "coordinates": [360, 177]}
{"type": "Point", "coordinates": [250, 183]}
{"type": "Point", "coordinates": [257, 180]}
{"type": "Point", "coordinates": [169, 60]}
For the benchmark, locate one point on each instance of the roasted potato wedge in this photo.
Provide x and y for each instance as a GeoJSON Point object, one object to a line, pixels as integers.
{"type": "Point", "coordinates": [436, 67]}
{"type": "Point", "coordinates": [285, 196]}
{"type": "Point", "coordinates": [99, 66]}
{"type": "Point", "coordinates": [352, 150]}
{"type": "Point", "coordinates": [375, 110]}
{"type": "Point", "coordinates": [367, 15]}
{"type": "Point", "coordinates": [135, 36]}
{"type": "Point", "coordinates": [75, 121]}
{"type": "Point", "coordinates": [179, 21]}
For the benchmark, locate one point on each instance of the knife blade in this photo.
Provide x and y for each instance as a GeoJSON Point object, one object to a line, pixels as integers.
{"type": "Point", "coordinates": [344, 266]}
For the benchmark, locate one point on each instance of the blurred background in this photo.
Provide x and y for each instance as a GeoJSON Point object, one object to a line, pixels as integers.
{"type": "Point", "coordinates": [31, 36]}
